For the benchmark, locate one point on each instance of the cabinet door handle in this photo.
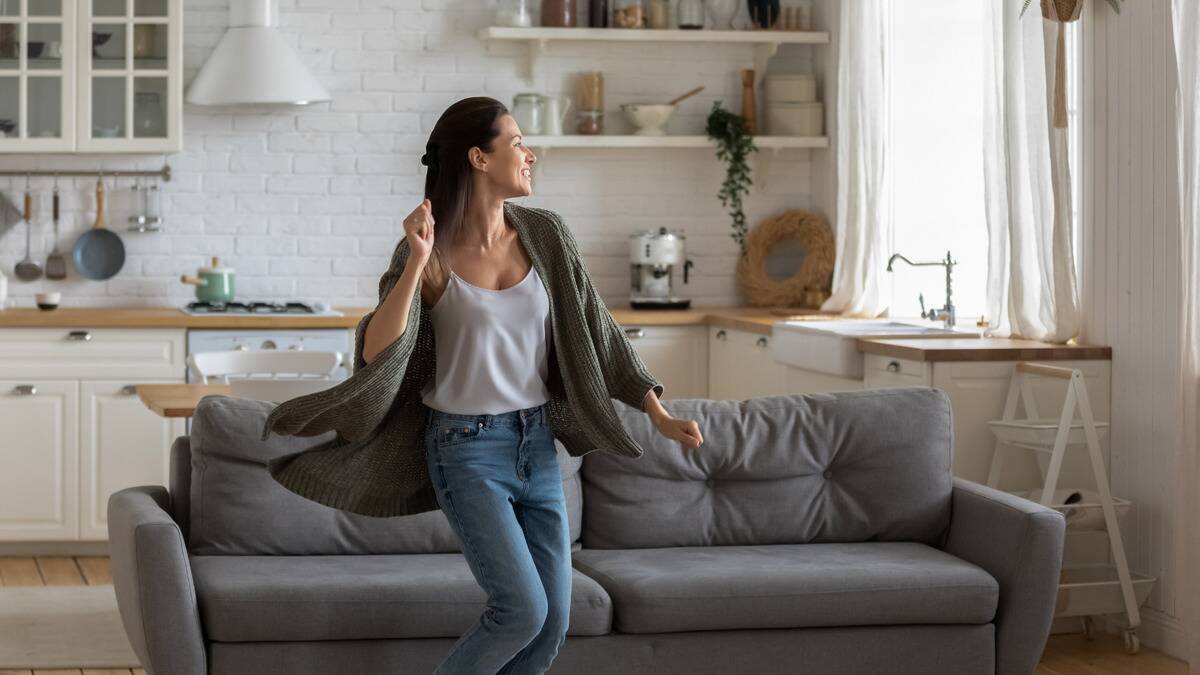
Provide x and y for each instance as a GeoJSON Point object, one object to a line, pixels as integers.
{"type": "Point", "coordinates": [893, 367]}
{"type": "Point", "coordinates": [129, 390]}
{"type": "Point", "coordinates": [635, 332]}
{"type": "Point", "coordinates": [81, 335]}
{"type": "Point", "coordinates": [721, 334]}
{"type": "Point", "coordinates": [761, 342]}
{"type": "Point", "coordinates": [25, 390]}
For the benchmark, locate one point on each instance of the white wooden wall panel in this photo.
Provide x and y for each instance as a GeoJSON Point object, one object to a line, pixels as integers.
{"type": "Point", "coordinates": [1130, 273]}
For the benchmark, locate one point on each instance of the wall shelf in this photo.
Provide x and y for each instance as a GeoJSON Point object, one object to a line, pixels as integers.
{"type": "Point", "coordinates": [764, 142]}
{"type": "Point", "coordinates": [765, 42]}
{"type": "Point", "coordinates": [773, 144]}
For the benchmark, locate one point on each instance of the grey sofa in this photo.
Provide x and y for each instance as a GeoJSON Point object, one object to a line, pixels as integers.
{"type": "Point", "coordinates": [809, 534]}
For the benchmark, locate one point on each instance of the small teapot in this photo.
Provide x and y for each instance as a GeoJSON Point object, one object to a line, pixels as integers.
{"type": "Point", "coordinates": [213, 284]}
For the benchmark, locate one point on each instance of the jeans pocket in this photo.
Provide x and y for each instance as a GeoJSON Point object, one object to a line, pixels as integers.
{"type": "Point", "coordinates": [451, 433]}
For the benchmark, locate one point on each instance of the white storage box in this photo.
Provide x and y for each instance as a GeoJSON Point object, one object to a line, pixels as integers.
{"type": "Point", "coordinates": [1040, 431]}
{"type": "Point", "coordinates": [795, 119]}
{"type": "Point", "coordinates": [1095, 589]}
{"type": "Point", "coordinates": [1084, 512]}
{"type": "Point", "coordinates": [790, 88]}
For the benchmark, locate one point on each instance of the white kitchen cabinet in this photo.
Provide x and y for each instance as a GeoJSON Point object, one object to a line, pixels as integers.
{"type": "Point", "coordinates": [977, 391]}
{"type": "Point", "coordinates": [803, 381]}
{"type": "Point", "coordinates": [72, 433]}
{"type": "Point", "coordinates": [676, 355]}
{"type": "Point", "coordinates": [39, 460]}
{"type": "Point", "coordinates": [740, 365]}
{"type": "Point", "coordinates": [91, 75]}
{"type": "Point", "coordinates": [122, 443]}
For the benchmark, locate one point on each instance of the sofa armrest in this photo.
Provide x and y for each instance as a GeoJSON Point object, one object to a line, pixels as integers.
{"type": "Point", "coordinates": [153, 581]}
{"type": "Point", "coordinates": [1020, 543]}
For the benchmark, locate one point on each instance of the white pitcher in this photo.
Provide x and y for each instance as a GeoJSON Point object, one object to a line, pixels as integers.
{"type": "Point", "coordinates": [554, 111]}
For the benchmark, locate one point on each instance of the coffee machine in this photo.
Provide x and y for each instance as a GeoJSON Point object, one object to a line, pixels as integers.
{"type": "Point", "coordinates": [654, 256]}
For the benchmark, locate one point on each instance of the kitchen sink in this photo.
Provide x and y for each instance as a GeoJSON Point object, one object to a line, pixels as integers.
{"type": "Point", "coordinates": [830, 346]}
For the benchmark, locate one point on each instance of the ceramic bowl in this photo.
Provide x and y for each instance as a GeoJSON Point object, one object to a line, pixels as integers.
{"type": "Point", "coordinates": [48, 301]}
{"type": "Point", "coordinates": [650, 119]}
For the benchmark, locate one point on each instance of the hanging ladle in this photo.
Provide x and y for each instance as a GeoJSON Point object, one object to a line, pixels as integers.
{"type": "Point", "coordinates": [28, 269]}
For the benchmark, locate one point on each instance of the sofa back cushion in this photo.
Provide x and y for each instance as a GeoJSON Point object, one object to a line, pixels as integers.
{"type": "Point", "coordinates": [787, 469]}
{"type": "Point", "coordinates": [236, 508]}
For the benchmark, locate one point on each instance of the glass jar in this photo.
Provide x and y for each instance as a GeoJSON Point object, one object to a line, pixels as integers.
{"type": "Point", "coordinates": [598, 13]}
{"type": "Point", "coordinates": [515, 13]}
{"type": "Point", "coordinates": [628, 14]}
{"type": "Point", "coordinates": [558, 13]}
{"type": "Point", "coordinates": [658, 14]}
{"type": "Point", "coordinates": [589, 122]}
{"type": "Point", "coordinates": [591, 91]}
{"type": "Point", "coordinates": [690, 14]}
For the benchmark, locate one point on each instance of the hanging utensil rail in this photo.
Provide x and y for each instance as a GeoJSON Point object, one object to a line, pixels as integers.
{"type": "Point", "coordinates": [164, 173]}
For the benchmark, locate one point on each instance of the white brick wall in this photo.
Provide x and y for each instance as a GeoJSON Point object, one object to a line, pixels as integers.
{"type": "Point", "coordinates": [306, 202]}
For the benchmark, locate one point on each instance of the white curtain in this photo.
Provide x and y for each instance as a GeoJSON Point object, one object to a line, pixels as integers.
{"type": "Point", "coordinates": [1031, 284]}
{"type": "Point", "coordinates": [862, 117]}
{"type": "Point", "coordinates": [1187, 58]}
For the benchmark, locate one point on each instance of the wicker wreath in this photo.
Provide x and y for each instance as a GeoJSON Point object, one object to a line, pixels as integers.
{"type": "Point", "coordinates": [810, 285]}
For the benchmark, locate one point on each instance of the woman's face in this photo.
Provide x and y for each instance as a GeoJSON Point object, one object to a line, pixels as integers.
{"type": "Point", "coordinates": [510, 165]}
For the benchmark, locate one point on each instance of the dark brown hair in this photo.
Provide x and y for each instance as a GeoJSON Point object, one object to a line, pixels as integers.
{"type": "Point", "coordinates": [470, 122]}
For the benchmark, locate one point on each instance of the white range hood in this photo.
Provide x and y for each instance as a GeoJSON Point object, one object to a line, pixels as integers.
{"type": "Point", "coordinates": [254, 64]}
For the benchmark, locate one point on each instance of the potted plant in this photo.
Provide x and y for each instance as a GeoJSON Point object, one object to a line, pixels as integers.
{"type": "Point", "coordinates": [734, 145]}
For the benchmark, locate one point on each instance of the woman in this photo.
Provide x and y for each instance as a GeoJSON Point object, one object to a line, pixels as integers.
{"type": "Point", "coordinates": [487, 407]}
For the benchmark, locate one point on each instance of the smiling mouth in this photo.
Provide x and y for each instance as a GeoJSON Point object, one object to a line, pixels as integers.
{"type": "Point", "coordinates": [526, 173]}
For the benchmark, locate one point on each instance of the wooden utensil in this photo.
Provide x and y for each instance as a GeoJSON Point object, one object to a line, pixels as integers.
{"type": "Point", "coordinates": [56, 264]}
{"type": "Point", "coordinates": [28, 269]}
{"type": "Point", "coordinates": [99, 253]}
{"type": "Point", "coordinates": [690, 93]}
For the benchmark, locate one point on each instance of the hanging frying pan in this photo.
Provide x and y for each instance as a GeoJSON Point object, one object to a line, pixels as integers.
{"type": "Point", "coordinates": [99, 252]}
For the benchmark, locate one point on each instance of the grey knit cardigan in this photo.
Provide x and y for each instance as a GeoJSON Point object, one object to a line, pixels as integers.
{"type": "Point", "coordinates": [375, 464]}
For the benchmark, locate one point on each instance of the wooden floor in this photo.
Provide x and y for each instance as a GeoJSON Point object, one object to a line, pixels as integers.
{"type": "Point", "coordinates": [1064, 655]}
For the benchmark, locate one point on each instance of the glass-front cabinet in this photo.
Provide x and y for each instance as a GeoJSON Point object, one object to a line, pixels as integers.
{"type": "Point", "coordinates": [37, 75]}
{"type": "Point", "coordinates": [91, 75]}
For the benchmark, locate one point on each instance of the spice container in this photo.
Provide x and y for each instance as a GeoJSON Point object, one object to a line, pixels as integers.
{"type": "Point", "coordinates": [558, 13]}
{"type": "Point", "coordinates": [628, 14]}
{"type": "Point", "coordinates": [589, 122]}
{"type": "Point", "coordinates": [598, 13]}
{"type": "Point", "coordinates": [591, 91]}
{"type": "Point", "coordinates": [690, 14]}
{"type": "Point", "coordinates": [658, 14]}
{"type": "Point", "coordinates": [515, 13]}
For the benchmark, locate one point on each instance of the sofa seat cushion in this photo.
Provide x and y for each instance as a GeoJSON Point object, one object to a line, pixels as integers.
{"type": "Point", "coordinates": [659, 590]}
{"type": "Point", "coordinates": [343, 597]}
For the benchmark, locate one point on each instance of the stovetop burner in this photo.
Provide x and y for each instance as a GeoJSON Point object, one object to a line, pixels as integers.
{"type": "Point", "coordinates": [256, 307]}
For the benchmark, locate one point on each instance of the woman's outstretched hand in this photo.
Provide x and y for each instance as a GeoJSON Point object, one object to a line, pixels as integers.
{"type": "Point", "coordinates": [418, 228]}
{"type": "Point", "coordinates": [687, 432]}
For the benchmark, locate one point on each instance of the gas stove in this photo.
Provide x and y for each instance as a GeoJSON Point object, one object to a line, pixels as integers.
{"type": "Point", "coordinates": [258, 307]}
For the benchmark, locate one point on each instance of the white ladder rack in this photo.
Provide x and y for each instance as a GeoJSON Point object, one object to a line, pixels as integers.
{"type": "Point", "coordinates": [1084, 590]}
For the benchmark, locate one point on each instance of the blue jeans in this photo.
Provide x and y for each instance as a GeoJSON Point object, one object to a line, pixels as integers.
{"type": "Point", "coordinates": [497, 480]}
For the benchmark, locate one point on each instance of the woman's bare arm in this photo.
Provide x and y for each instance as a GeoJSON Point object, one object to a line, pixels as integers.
{"type": "Point", "coordinates": [391, 317]}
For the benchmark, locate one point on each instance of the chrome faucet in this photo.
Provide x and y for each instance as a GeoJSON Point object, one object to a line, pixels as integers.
{"type": "Point", "coordinates": [943, 314]}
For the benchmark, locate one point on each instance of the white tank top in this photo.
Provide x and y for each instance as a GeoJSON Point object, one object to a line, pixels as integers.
{"type": "Point", "coordinates": [491, 347]}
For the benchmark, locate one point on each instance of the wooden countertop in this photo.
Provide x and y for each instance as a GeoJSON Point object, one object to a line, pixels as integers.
{"type": "Point", "coordinates": [753, 319]}
{"type": "Point", "coordinates": [177, 400]}
{"type": "Point", "coordinates": [166, 317]}
{"type": "Point", "coordinates": [745, 318]}
{"type": "Point", "coordinates": [982, 349]}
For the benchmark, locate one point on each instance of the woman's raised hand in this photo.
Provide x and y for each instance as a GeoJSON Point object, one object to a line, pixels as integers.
{"type": "Point", "coordinates": [418, 228]}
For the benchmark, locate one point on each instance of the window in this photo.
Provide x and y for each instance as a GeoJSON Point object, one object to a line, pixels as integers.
{"type": "Point", "coordinates": [936, 140]}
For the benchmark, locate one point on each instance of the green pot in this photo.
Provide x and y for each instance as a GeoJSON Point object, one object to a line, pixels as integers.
{"type": "Point", "coordinates": [213, 284]}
